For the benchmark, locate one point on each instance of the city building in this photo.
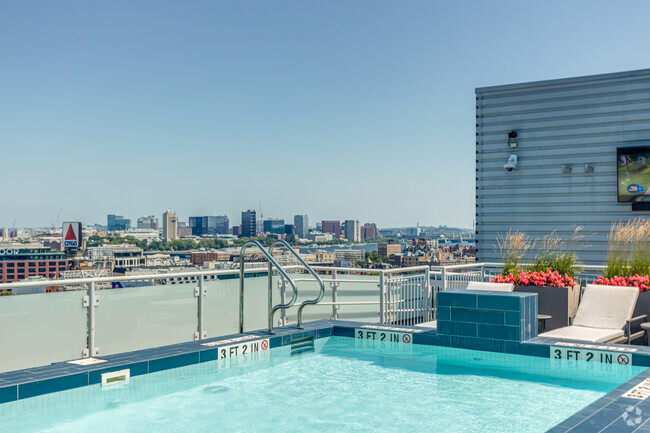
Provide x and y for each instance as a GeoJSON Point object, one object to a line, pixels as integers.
{"type": "Point", "coordinates": [369, 231]}
{"type": "Point", "coordinates": [290, 229]}
{"type": "Point", "coordinates": [333, 227]}
{"type": "Point", "coordinates": [21, 261]}
{"type": "Point", "coordinates": [170, 226]}
{"type": "Point", "coordinates": [431, 244]}
{"type": "Point", "coordinates": [387, 250]}
{"type": "Point", "coordinates": [249, 224]}
{"type": "Point", "coordinates": [210, 225]}
{"type": "Point", "coordinates": [201, 257]}
{"type": "Point", "coordinates": [148, 223]}
{"type": "Point", "coordinates": [127, 256]}
{"type": "Point", "coordinates": [302, 225]}
{"type": "Point", "coordinates": [349, 255]}
{"type": "Point", "coordinates": [117, 222]}
{"type": "Point", "coordinates": [274, 225]}
{"type": "Point", "coordinates": [352, 230]}
{"type": "Point", "coordinates": [236, 230]}
{"type": "Point", "coordinates": [317, 236]}
{"type": "Point", "coordinates": [547, 160]}
{"type": "Point", "coordinates": [184, 231]}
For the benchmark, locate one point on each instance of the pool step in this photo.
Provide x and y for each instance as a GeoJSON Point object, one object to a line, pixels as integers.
{"type": "Point", "coordinates": [303, 344]}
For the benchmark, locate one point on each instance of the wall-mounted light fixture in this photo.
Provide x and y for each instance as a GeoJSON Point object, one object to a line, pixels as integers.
{"type": "Point", "coordinates": [588, 169]}
{"type": "Point", "coordinates": [566, 169]}
{"type": "Point", "coordinates": [512, 139]}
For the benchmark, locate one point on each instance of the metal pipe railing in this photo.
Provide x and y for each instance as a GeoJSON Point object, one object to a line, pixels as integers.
{"type": "Point", "coordinates": [272, 261]}
{"type": "Point", "coordinates": [309, 269]}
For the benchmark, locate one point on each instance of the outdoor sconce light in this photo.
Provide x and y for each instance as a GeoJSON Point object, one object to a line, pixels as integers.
{"type": "Point", "coordinates": [588, 169]}
{"type": "Point", "coordinates": [512, 138]}
{"type": "Point", "coordinates": [566, 170]}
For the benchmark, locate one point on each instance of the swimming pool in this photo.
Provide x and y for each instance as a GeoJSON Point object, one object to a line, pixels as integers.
{"type": "Point", "coordinates": [345, 385]}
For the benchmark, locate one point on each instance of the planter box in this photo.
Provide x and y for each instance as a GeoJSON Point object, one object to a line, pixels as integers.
{"type": "Point", "coordinates": [643, 305]}
{"type": "Point", "coordinates": [558, 302]}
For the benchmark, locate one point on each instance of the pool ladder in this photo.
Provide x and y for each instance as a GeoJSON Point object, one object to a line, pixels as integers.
{"type": "Point", "coordinates": [273, 263]}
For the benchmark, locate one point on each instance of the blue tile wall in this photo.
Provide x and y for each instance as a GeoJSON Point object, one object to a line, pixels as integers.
{"type": "Point", "coordinates": [8, 393]}
{"type": "Point", "coordinates": [496, 321]}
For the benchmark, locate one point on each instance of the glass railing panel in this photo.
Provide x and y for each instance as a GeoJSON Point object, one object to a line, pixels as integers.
{"type": "Point", "coordinates": [346, 292]}
{"type": "Point", "coordinates": [137, 318]}
{"type": "Point", "coordinates": [40, 329]}
{"type": "Point", "coordinates": [221, 307]}
{"type": "Point", "coordinates": [359, 292]}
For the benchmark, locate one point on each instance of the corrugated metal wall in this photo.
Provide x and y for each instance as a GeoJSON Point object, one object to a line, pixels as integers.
{"type": "Point", "coordinates": [570, 122]}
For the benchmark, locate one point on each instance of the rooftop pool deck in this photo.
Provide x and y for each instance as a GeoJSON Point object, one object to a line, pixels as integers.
{"type": "Point", "coordinates": [485, 321]}
{"type": "Point", "coordinates": [614, 412]}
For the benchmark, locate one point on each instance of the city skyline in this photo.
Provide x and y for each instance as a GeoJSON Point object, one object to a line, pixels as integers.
{"type": "Point", "coordinates": [327, 109]}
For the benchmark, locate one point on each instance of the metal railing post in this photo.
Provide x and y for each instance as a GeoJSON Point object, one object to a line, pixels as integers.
{"type": "Point", "coordinates": [91, 320]}
{"type": "Point", "coordinates": [443, 276]}
{"type": "Point", "coordinates": [200, 304]}
{"type": "Point", "coordinates": [428, 297]}
{"type": "Point", "coordinates": [270, 285]}
{"type": "Point", "coordinates": [482, 272]}
{"type": "Point", "coordinates": [283, 300]}
{"type": "Point", "coordinates": [382, 319]}
{"type": "Point", "coordinates": [334, 285]}
{"type": "Point", "coordinates": [242, 275]}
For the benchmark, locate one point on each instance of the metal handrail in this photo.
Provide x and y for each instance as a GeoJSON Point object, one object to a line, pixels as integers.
{"type": "Point", "coordinates": [272, 262]}
{"type": "Point", "coordinates": [310, 270]}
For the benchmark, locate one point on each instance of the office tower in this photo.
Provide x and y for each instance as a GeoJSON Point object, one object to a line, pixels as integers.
{"type": "Point", "coordinates": [249, 224]}
{"type": "Point", "coordinates": [170, 226]}
{"type": "Point", "coordinates": [148, 223]}
{"type": "Point", "coordinates": [117, 222]}
{"type": "Point", "coordinates": [274, 225]}
{"type": "Point", "coordinates": [210, 225]}
{"type": "Point", "coordinates": [353, 230]}
{"type": "Point", "coordinates": [332, 227]}
{"type": "Point", "coordinates": [302, 225]}
{"type": "Point", "coordinates": [369, 231]}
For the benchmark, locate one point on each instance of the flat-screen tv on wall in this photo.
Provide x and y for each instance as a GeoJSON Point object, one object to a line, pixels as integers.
{"type": "Point", "coordinates": [633, 171]}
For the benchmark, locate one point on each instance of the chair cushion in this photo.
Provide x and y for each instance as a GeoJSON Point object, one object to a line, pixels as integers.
{"type": "Point", "coordinates": [491, 287]}
{"type": "Point", "coordinates": [606, 307]}
{"type": "Point", "coordinates": [595, 335]}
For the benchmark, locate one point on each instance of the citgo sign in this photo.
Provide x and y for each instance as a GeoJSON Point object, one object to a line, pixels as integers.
{"type": "Point", "coordinates": [71, 234]}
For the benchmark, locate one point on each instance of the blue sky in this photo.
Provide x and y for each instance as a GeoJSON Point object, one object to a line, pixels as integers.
{"type": "Point", "coordinates": [337, 109]}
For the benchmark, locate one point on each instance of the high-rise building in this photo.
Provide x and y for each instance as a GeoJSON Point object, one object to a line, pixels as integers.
{"type": "Point", "coordinates": [352, 230]}
{"type": "Point", "coordinates": [290, 229]}
{"type": "Point", "coordinates": [387, 250]}
{"type": "Point", "coordinates": [249, 224]}
{"type": "Point", "coordinates": [170, 226]}
{"type": "Point", "coordinates": [274, 225]}
{"type": "Point", "coordinates": [302, 225]}
{"type": "Point", "coordinates": [236, 230]}
{"type": "Point", "coordinates": [369, 231]}
{"type": "Point", "coordinates": [333, 227]}
{"type": "Point", "coordinates": [148, 223]}
{"type": "Point", "coordinates": [210, 225]}
{"type": "Point", "coordinates": [117, 222]}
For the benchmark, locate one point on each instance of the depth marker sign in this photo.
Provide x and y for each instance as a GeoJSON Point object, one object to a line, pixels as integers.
{"type": "Point", "coordinates": [602, 356]}
{"type": "Point", "coordinates": [379, 335]}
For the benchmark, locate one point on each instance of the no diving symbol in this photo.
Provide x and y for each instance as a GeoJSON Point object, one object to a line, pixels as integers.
{"type": "Point", "coordinates": [623, 359]}
{"type": "Point", "coordinates": [406, 338]}
{"type": "Point", "coordinates": [265, 344]}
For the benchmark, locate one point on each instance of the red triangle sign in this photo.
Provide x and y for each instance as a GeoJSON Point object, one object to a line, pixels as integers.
{"type": "Point", "coordinates": [70, 236]}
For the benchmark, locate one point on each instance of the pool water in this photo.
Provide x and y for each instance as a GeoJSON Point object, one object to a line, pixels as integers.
{"type": "Point", "coordinates": [346, 385]}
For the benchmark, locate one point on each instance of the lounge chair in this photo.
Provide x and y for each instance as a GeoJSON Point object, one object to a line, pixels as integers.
{"type": "Point", "coordinates": [490, 287]}
{"type": "Point", "coordinates": [604, 316]}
